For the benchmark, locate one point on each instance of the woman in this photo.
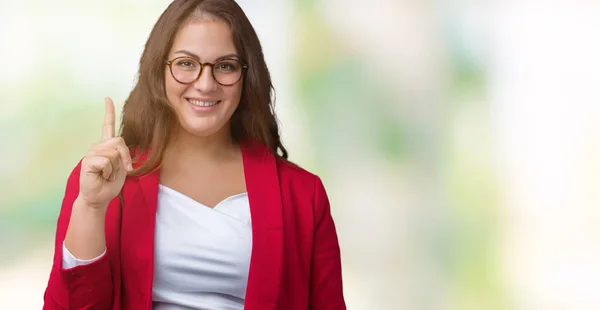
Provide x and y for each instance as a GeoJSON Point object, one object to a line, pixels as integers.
{"type": "Point", "coordinates": [195, 206]}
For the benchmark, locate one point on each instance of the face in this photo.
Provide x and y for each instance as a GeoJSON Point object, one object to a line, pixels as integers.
{"type": "Point", "coordinates": [204, 107]}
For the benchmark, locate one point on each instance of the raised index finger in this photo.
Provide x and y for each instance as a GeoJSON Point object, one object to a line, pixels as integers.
{"type": "Point", "coordinates": [108, 129]}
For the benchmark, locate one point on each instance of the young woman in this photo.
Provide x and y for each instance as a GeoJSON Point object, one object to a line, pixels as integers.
{"type": "Point", "coordinates": [194, 205]}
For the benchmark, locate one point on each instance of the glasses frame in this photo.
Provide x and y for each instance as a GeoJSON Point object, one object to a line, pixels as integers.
{"type": "Point", "coordinates": [202, 66]}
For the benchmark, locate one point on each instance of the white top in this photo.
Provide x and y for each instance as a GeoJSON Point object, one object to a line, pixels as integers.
{"type": "Point", "coordinates": [201, 254]}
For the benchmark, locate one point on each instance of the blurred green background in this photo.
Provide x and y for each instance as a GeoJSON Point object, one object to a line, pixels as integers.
{"type": "Point", "coordinates": [458, 140]}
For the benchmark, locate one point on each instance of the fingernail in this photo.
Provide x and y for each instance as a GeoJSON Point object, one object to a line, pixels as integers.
{"type": "Point", "coordinates": [129, 167]}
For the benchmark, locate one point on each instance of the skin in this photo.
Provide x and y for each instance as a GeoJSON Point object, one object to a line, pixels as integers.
{"type": "Point", "coordinates": [208, 40]}
{"type": "Point", "coordinates": [103, 172]}
{"type": "Point", "coordinates": [203, 142]}
{"type": "Point", "coordinates": [202, 161]}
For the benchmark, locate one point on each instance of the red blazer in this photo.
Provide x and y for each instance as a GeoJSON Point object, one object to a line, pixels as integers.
{"type": "Point", "coordinates": [295, 261]}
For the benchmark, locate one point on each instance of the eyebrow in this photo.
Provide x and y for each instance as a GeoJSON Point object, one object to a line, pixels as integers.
{"type": "Point", "coordinates": [231, 55]}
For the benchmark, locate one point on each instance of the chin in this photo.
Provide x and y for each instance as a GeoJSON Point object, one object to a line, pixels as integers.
{"type": "Point", "coordinates": [203, 128]}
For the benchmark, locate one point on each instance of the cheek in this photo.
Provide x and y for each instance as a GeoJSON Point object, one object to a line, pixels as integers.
{"type": "Point", "coordinates": [235, 94]}
{"type": "Point", "coordinates": [173, 89]}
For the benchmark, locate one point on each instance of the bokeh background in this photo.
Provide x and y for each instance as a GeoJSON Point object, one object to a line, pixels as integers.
{"type": "Point", "coordinates": [458, 140]}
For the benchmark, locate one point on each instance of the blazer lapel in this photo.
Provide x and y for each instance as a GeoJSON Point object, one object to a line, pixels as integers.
{"type": "Point", "coordinates": [266, 262]}
{"type": "Point", "coordinates": [137, 238]}
{"type": "Point", "coordinates": [264, 194]}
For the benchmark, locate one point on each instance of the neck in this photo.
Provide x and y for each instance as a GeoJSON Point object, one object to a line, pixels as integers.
{"type": "Point", "coordinates": [188, 149]}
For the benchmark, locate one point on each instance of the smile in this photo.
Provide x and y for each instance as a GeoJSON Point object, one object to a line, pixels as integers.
{"type": "Point", "coordinates": [201, 103]}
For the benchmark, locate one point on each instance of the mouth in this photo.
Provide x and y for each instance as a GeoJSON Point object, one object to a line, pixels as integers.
{"type": "Point", "coordinates": [203, 103]}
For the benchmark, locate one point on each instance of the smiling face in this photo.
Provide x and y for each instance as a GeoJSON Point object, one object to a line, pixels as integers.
{"type": "Point", "coordinates": [204, 107]}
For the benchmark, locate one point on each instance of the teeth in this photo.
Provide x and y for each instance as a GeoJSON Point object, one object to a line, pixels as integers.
{"type": "Point", "coordinates": [203, 103]}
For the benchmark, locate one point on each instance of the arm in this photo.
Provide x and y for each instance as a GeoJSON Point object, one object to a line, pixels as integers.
{"type": "Point", "coordinates": [69, 261]}
{"type": "Point", "coordinates": [81, 287]}
{"type": "Point", "coordinates": [326, 291]}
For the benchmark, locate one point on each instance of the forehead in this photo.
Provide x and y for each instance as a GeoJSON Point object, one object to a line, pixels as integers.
{"type": "Point", "coordinates": [209, 39]}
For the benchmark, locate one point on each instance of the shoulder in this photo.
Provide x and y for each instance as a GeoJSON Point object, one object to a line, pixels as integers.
{"type": "Point", "coordinates": [298, 179]}
{"type": "Point", "coordinates": [295, 182]}
{"type": "Point", "coordinates": [303, 193]}
{"type": "Point", "coordinates": [293, 170]}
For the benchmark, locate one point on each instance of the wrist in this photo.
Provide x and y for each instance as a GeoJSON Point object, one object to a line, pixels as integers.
{"type": "Point", "coordinates": [82, 204]}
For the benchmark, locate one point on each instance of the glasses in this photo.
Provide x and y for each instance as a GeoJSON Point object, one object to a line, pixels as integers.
{"type": "Point", "coordinates": [187, 70]}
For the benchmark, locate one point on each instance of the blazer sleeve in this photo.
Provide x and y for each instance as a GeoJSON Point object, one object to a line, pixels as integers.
{"type": "Point", "coordinates": [82, 287]}
{"type": "Point", "coordinates": [326, 291]}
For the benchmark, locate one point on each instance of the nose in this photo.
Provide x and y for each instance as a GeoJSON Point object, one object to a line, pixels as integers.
{"type": "Point", "coordinates": [206, 82]}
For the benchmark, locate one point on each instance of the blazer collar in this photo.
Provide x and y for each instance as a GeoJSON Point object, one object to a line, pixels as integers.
{"type": "Point", "coordinates": [264, 194]}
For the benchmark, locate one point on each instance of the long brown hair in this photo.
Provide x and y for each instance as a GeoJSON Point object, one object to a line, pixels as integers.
{"type": "Point", "coordinates": [148, 119]}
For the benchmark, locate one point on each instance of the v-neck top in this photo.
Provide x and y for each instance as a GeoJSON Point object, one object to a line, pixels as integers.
{"type": "Point", "coordinates": [201, 254]}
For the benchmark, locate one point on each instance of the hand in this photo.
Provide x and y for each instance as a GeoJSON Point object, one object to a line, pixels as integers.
{"type": "Point", "coordinates": [104, 168]}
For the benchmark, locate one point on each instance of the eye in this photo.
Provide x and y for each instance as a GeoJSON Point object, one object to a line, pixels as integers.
{"type": "Point", "coordinates": [227, 66]}
{"type": "Point", "coordinates": [186, 64]}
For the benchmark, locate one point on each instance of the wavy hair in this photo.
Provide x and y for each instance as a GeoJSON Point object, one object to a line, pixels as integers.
{"type": "Point", "coordinates": [147, 123]}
